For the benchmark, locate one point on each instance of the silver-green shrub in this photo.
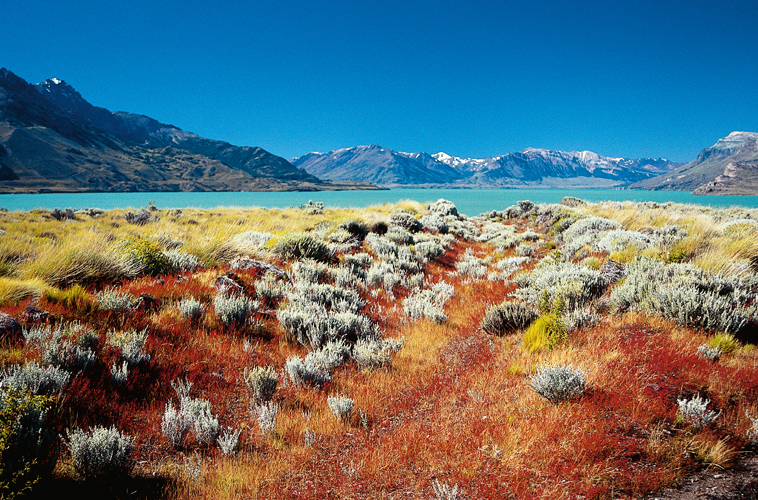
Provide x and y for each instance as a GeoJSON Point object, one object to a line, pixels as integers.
{"type": "Point", "coordinates": [374, 353]}
{"type": "Point", "coordinates": [309, 372]}
{"type": "Point", "coordinates": [228, 440]}
{"type": "Point", "coordinates": [309, 270]}
{"type": "Point", "coordinates": [190, 307]}
{"type": "Point", "coordinates": [558, 384]}
{"type": "Point", "coordinates": [708, 352]}
{"type": "Point", "coordinates": [429, 250]}
{"type": "Point", "coordinates": [111, 299]}
{"type": "Point", "coordinates": [508, 317]}
{"type": "Point", "coordinates": [341, 406]}
{"type": "Point", "coordinates": [265, 414]}
{"type": "Point", "coordinates": [575, 284]}
{"type": "Point", "coordinates": [132, 345]}
{"type": "Point", "coordinates": [193, 414]}
{"type": "Point", "coordinates": [695, 410]}
{"type": "Point", "coordinates": [34, 378]}
{"type": "Point", "coordinates": [181, 260]}
{"type": "Point", "coordinates": [425, 303]}
{"type": "Point", "coordinates": [233, 309]}
{"type": "Point", "coordinates": [101, 452]}
{"type": "Point", "coordinates": [119, 373]}
{"type": "Point", "coordinates": [261, 382]}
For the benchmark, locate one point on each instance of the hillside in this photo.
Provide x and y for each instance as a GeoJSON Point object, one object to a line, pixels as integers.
{"type": "Point", "coordinates": [711, 173]}
{"type": "Point", "coordinates": [529, 168]}
{"type": "Point", "coordinates": [51, 139]}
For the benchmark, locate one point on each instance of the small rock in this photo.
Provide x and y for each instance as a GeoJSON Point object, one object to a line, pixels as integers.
{"type": "Point", "coordinates": [9, 327]}
{"type": "Point", "coordinates": [225, 284]}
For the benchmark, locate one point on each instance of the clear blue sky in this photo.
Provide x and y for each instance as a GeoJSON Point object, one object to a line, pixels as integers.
{"type": "Point", "coordinates": [646, 78]}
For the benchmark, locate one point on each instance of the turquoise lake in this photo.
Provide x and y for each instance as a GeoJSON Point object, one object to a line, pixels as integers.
{"type": "Point", "coordinates": [468, 201]}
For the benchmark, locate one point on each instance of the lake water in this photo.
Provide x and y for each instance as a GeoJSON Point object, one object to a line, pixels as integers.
{"type": "Point", "coordinates": [468, 201]}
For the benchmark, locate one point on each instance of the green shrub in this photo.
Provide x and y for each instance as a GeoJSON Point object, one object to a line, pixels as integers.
{"type": "Point", "coordinates": [546, 332]}
{"type": "Point", "coordinates": [508, 317]}
{"type": "Point", "coordinates": [148, 255]}
{"type": "Point", "coordinates": [296, 246]}
{"type": "Point", "coordinates": [26, 442]}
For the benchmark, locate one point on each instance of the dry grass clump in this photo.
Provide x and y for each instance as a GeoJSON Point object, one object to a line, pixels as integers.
{"type": "Point", "coordinates": [374, 367]}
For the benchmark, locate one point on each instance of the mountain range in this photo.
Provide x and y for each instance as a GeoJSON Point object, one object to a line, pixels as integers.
{"type": "Point", "coordinates": [51, 139]}
{"type": "Point", "coordinates": [728, 167]}
{"type": "Point", "coordinates": [528, 168]}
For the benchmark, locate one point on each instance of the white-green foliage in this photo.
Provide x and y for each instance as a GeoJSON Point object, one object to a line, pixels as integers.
{"type": "Point", "coordinates": [399, 235]}
{"type": "Point", "coordinates": [65, 345]}
{"type": "Point", "coordinates": [580, 318]}
{"type": "Point", "coordinates": [382, 274]}
{"type": "Point", "coordinates": [265, 414]}
{"type": "Point", "coordinates": [339, 235]}
{"type": "Point", "coordinates": [111, 299]}
{"type": "Point", "coordinates": [698, 309]}
{"type": "Point", "coordinates": [132, 345]}
{"type": "Point", "coordinates": [261, 382]}
{"type": "Point", "coordinates": [250, 241]}
{"type": "Point", "coordinates": [190, 307]}
{"type": "Point", "coordinates": [558, 384]}
{"type": "Point", "coordinates": [708, 352]}
{"type": "Point", "coordinates": [375, 353]}
{"type": "Point", "coordinates": [269, 288]}
{"type": "Point", "coordinates": [358, 260]}
{"type": "Point", "coordinates": [435, 224]}
{"type": "Point", "coordinates": [193, 414]}
{"type": "Point", "coordinates": [328, 296]}
{"type": "Point", "coordinates": [120, 373]}
{"type": "Point", "coordinates": [575, 284]}
{"type": "Point", "coordinates": [429, 250]}
{"type": "Point", "coordinates": [506, 267]}
{"type": "Point", "coordinates": [101, 452]}
{"type": "Point", "coordinates": [181, 260]}
{"type": "Point", "coordinates": [695, 410]}
{"type": "Point", "coordinates": [34, 378]}
{"type": "Point", "coordinates": [471, 266]}
{"type": "Point", "coordinates": [443, 491]}
{"type": "Point", "coordinates": [344, 277]}
{"type": "Point", "coordinates": [508, 317]}
{"type": "Point", "coordinates": [228, 440]}
{"type": "Point", "coordinates": [306, 372]}
{"type": "Point", "coordinates": [686, 294]}
{"type": "Point", "coordinates": [233, 309]}
{"type": "Point", "coordinates": [309, 270]}
{"type": "Point", "coordinates": [429, 302]}
{"type": "Point", "coordinates": [586, 232]}
{"type": "Point", "coordinates": [341, 406]}
{"type": "Point", "coordinates": [525, 250]}
{"type": "Point", "coordinates": [382, 247]}
{"type": "Point", "coordinates": [620, 239]}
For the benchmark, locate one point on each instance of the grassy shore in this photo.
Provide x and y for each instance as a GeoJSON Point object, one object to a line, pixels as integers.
{"type": "Point", "coordinates": [407, 351]}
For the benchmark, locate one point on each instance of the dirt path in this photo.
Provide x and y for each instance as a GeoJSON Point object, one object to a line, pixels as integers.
{"type": "Point", "coordinates": [740, 482]}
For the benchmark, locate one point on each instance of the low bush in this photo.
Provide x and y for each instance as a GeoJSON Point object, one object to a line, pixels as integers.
{"type": "Point", "coordinates": [35, 379]}
{"type": "Point", "coordinates": [265, 414]}
{"type": "Point", "coordinates": [111, 299]}
{"type": "Point", "coordinates": [695, 411]}
{"type": "Point", "coordinates": [131, 345]}
{"type": "Point", "coordinates": [261, 382]}
{"type": "Point", "coordinates": [508, 317]}
{"type": "Point", "coordinates": [294, 246]}
{"type": "Point", "coordinates": [306, 372]}
{"type": "Point", "coordinates": [341, 407]}
{"type": "Point", "coordinates": [101, 453]}
{"type": "Point", "coordinates": [558, 384]}
{"type": "Point", "coordinates": [233, 309]}
{"type": "Point", "coordinates": [148, 255]}
{"type": "Point", "coordinates": [193, 414]}
{"type": "Point", "coordinates": [228, 440]}
{"type": "Point", "coordinates": [190, 307]}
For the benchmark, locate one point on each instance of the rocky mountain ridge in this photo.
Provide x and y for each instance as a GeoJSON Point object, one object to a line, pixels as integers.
{"type": "Point", "coordinates": [52, 139]}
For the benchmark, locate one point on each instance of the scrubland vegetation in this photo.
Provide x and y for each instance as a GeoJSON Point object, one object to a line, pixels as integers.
{"type": "Point", "coordinates": [570, 350]}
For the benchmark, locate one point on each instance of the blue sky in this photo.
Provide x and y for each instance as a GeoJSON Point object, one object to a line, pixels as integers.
{"type": "Point", "coordinates": [662, 78]}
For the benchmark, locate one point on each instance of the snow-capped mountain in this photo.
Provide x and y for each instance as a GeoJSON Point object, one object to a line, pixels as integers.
{"type": "Point", "coordinates": [530, 167]}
